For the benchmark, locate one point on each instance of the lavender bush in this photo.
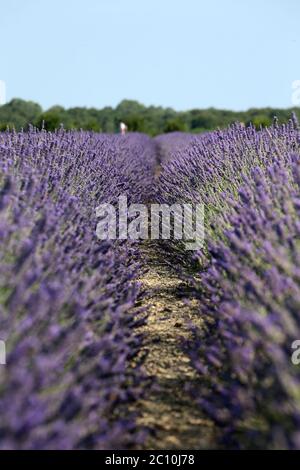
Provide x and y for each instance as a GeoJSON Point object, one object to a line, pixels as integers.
{"type": "Point", "coordinates": [249, 278]}
{"type": "Point", "coordinates": [65, 297]}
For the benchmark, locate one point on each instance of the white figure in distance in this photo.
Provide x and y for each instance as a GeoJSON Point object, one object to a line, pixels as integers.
{"type": "Point", "coordinates": [2, 353]}
{"type": "Point", "coordinates": [123, 128]}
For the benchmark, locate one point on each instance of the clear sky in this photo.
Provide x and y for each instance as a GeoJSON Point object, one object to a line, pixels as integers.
{"type": "Point", "coordinates": [185, 54]}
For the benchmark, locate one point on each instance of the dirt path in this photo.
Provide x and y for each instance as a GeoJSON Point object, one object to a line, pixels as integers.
{"type": "Point", "coordinates": [174, 420]}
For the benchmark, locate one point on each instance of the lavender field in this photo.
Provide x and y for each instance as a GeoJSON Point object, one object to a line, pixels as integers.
{"type": "Point", "coordinates": [122, 344]}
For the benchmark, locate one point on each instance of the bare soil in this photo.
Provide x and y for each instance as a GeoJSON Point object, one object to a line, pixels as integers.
{"type": "Point", "coordinates": [174, 420]}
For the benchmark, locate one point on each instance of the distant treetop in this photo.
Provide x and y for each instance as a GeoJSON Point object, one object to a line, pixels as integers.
{"type": "Point", "coordinates": [151, 120]}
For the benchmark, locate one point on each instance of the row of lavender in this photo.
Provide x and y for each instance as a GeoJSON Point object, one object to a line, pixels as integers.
{"type": "Point", "coordinates": [65, 298]}
{"type": "Point", "coordinates": [249, 182]}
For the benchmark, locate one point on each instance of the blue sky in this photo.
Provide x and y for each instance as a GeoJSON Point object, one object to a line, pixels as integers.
{"type": "Point", "coordinates": [181, 53]}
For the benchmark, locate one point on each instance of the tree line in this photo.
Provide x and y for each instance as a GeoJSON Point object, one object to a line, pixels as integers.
{"type": "Point", "coordinates": [152, 120]}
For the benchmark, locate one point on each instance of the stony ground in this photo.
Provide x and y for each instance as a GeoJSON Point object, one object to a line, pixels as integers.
{"type": "Point", "coordinates": [174, 419]}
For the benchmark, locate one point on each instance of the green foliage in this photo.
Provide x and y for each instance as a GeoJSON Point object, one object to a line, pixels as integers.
{"type": "Point", "coordinates": [151, 120]}
{"type": "Point", "coordinates": [51, 119]}
{"type": "Point", "coordinates": [173, 125]}
{"type": "Point", "coordinates": [19, 113]}
{"type": "Point", "coordinates": [261, 121]}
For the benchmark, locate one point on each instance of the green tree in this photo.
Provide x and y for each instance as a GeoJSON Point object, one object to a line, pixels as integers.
{"type": "Point", "coordinates": [52, 119]}
{"type": "Point", "coordinates": [20, 113]}
{"type": "Point", "coordinates": [174, 125]}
